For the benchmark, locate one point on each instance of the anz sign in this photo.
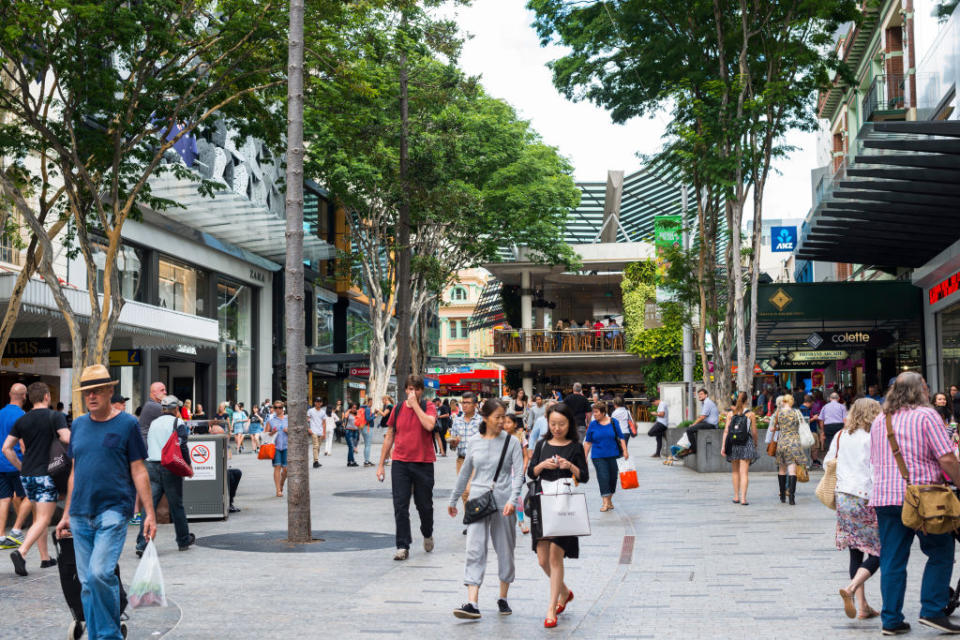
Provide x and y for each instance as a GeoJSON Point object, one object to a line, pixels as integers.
{"type": "Point", "coordinates": [783, 239]}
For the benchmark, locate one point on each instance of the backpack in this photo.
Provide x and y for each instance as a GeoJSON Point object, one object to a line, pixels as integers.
{"type": "Point", "coordinates": [739, 429]}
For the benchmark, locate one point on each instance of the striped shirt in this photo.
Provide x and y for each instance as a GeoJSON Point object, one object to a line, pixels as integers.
{"type": "Point", "coordinates": [922, 439]}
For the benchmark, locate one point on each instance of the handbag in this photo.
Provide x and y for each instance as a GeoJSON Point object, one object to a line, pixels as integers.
{"type": "Point", "coordinates": [267, 450]}
{"type": "Point", "coordinates": [931, 508]}
{"type": "Point", "coordinates": [563, 509]}
{"type": "Point", "coordinates": [628, 474]}
{"type": "Point", "coordinates": [803, 427]}
{"type": "Point", "coordinates": [58, 462]}
{"type": "Point", "coordinates": [802, 475]}
{"type": "Point", "coordinates": [826, 490]}
{"type": "Point", "coordinates": [172, 459]}
{"type": "Point", "coordinates": [482, 506]}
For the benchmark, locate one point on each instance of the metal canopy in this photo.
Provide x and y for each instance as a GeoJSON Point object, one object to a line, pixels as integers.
{"type": "Point", "coordinates": [897, 205]}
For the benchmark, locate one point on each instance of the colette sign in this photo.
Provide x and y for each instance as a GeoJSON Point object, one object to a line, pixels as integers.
{"type": "Point", "coordinates": [946, 288]}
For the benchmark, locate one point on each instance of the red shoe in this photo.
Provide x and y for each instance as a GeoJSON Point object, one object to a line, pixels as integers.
{"type": "Point", "coordinates": [550, 623]}
{"type": "Point", "coordinates": [561, 607]}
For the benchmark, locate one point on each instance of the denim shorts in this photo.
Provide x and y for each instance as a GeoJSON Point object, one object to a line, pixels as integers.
{"type": "Point", "coordinates": [10, 485]}
{"type": "Point", "coordinates": [40, 488]}
{"type": "Point", "coordinates": [280, 458]}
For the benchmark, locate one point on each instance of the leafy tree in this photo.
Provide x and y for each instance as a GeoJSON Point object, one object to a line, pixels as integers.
{"type": "Point", "coordinates": [95, 95]}
{"type": "Point", "coordinates": [736, 75]}
{"type": "Point", "coordinates": [478, 179]}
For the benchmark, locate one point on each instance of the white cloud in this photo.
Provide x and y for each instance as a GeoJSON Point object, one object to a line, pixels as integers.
{"type": "Point", "coordinates": [506, 52]}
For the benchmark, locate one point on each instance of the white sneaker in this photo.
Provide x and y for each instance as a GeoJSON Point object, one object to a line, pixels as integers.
{"type": "Point", "coordinates": [428, 544]}
{"type": "Point", "coordinates": [401, 554]}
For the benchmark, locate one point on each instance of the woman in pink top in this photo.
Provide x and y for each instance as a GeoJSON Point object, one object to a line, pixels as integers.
{"type": "Point", "coordinates": [927, 452]}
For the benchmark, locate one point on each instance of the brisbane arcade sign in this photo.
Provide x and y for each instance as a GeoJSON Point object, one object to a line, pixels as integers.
{"type": "Point", "coordinates": [871, 339]}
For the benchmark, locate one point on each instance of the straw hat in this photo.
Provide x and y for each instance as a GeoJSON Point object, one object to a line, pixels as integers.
{"type": "Point", "coordinates": [95, 375]}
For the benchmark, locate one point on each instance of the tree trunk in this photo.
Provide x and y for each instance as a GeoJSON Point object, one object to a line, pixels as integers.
{"type": "Point", "coordinates": [299, 529]}
{"type": "Point", "coordinates": [403, 231]}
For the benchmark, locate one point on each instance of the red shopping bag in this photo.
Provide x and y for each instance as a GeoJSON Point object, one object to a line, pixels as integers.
{"type": "Point", "coordinates": [267, 451]}
{"type": "Point", "coordinates": [171, 458]}
{"type": "Point", "coordinates": [628, 474]}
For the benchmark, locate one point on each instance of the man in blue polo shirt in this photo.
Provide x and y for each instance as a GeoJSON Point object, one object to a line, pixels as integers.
{"type": "Point", "coordinates": [108, 470]}
{"type": "Point", "coordinates": [10, 485]}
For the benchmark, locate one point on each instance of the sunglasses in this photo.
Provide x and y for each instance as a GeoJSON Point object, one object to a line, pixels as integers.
{"type": "Point", "coordinates": [278, 406]}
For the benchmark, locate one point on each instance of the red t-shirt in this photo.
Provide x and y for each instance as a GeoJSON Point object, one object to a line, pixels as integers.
{"type": "Point", "coordinates": [411, 442]}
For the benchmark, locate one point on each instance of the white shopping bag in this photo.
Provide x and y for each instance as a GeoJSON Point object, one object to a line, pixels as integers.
{"type": "Point", "coordinates": [684, 441]}
{"type": "Point", "coordinates": [563, 508]}
{"type": "Point", "coordinates": [147, 590]}
{"type": "Point", "coordinates": [806, 435]}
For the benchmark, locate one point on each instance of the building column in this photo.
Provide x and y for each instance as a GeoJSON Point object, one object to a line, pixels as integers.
{"type": "Point", "coordinates": [540, 317]}
{"type": "Point", "coordinates": [527, 380]}
{"type": "Point", "coordinates": [526, 308]}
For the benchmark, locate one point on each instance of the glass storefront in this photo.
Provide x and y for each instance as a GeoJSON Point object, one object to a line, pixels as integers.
{"type": "Point", "coordinates": [235, 354]}
{"type": "Point", "coordinates": [949, 333]}
{"type": "Point", "coordinates": [129, 267]}
{"type": "Point", "coordinates": [324, 334]}
{"type": "Point", "coordinates": [181, 287]}
{"type": "Point", "coordinates": [358, 331]}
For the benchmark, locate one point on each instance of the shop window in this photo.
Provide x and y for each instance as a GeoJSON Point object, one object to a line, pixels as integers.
{"type": "Point", "coordinates": [458, 294]}
{"type": "Point", "coordinates": [181, 287]}
{"type": "Point", "coordinates": [453, 329]}
{"type": "Point", "coordinates": [950, 345]}
{"type": "Point", "coordinates": [129, 268]}
{"type": "Point", "coordinates": [358, 332]}
{"type": "Point", "coordinates": [324, 335]}
{"type": "Point", "coordinates": [463, 329]}
{"type": "Point", "coordinates": [235, 354]}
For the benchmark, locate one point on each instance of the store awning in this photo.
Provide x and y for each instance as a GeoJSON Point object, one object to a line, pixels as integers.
{"type": "Point", "coordinates": [897, 205]}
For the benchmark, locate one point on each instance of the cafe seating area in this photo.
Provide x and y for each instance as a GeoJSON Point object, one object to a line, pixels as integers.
{"type": "Point", "coordinates": [566, 341]}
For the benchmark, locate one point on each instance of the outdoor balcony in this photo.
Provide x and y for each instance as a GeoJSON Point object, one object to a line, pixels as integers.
{"type": "Point", "coordinates": [566, 342]}
{"type": "Point", "coordinates": [885, 98]}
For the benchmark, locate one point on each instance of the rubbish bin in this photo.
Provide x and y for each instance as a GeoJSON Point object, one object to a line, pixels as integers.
{"type": "Point", "coordinates": [205, 495]}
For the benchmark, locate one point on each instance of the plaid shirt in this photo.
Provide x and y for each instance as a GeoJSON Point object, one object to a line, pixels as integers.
{"type": "Point", "coordinates": [464, 431]}
{"type": "Point", "coordinates": [922, 438]}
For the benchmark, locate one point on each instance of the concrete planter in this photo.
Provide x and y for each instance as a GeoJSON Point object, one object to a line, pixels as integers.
{"type": "Point", "coordinates": [707, 459]}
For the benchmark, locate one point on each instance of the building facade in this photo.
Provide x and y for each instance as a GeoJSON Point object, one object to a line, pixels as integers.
{"type": "Point", "coordinates": [457, 305]}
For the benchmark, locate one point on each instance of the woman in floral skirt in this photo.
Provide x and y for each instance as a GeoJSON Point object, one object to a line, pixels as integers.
{"type": "Point", "coordinates": [857, 529]}
{"type": "Point", "coordinates": [786, 421]}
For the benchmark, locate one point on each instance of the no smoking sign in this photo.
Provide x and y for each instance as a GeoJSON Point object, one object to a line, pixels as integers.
{"type": "Point", "coordinates": [199, 454]}
{"type": "Point", "coordinates": [203, 456]}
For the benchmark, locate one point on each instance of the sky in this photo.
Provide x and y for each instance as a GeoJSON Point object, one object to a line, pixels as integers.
{"type": "Point", "coordinates": [505, 51]}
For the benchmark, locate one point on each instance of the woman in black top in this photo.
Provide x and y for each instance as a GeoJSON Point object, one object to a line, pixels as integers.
{"type": "Point", "coordinates": [558, 455]}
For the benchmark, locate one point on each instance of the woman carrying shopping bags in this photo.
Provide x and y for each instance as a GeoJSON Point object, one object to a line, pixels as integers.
{"type": "Point", "coordinates": [557, 455]}
{"type": "Point", "coordinates": [604, 443]}
{"type": "Point", "coordinates": [495, 460]}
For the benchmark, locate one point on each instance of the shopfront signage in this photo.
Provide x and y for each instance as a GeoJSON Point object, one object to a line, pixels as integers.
{"type": "Point", "coordinates": [32, 348]}
{"type": "Point", "coordinates": [257, 275]}
{"type": "Point", "coordinates": [359, 372]}
{"type": "Point", "coordinates": [812, 356]}
{"type": "Point", "coordinates": [783, 239]}
{"type": "Point", "coordinates": [431, 383]}
{"type": "Point", "coordinates": [869, 339]}
{"type": "Point", "coordinates": [187, 349]}
{"type": "Point", "coordinates": [357, 385]}
{"type": "Point", "coordinates": [946, 288]}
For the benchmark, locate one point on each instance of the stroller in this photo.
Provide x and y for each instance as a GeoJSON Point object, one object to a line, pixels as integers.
{"type": "Point", "coordinates": [70, 583]}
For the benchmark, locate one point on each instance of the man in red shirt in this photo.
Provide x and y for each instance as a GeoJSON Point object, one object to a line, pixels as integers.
{"type": "Point", "coordinates": [409, 442]}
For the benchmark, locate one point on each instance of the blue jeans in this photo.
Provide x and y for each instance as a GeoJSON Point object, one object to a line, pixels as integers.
{"type": "Point", "coordinates": [367, 442]}
{"type": "Point", "coordinates": [162, 482]}
{"type": "Point", "coordinates": [607, 475]}
{"type": "Point", "coordinates": [352, 436]}
{"type": "Point", "coordinates": [895, 543]}
{"type": "Point", "coordinates": [98, 542]}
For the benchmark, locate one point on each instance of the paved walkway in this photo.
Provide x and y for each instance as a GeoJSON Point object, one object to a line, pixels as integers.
{"type": "Point", "coordinates": [699, 567]}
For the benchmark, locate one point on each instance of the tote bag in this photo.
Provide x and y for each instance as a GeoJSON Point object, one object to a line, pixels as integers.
{"type": "Point", "coordinates": [172, 459]}
{"type": "Point", "coordinates": [563, 509]}
{"type": "Point", "coordinates": [806, 436]}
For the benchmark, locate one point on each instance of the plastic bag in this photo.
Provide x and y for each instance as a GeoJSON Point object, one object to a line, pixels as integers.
{"type": "Point", "coordinates": [628, 474]}
{"type": "Point", "coordinates": [147, 587]}
{"type": "Point", "coordinates": [684, 441]}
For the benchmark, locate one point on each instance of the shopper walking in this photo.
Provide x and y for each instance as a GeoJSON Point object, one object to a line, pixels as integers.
{"type": "Point", "coordinates": [513, 426]}
{"type": "Point", "coordinates": [580, 407]}
{"type": "Point", "coordinates": [495, 462]}
{"type": "Point", "coordinates": [329, 429]}
{"type": "Point", "coordinates": [241, 424]}
{"type": "Point", "coordinates": [444, 420]}
{"type": "Point", "coordinates": [623, 417]}
{"type": "Point", "coordinates": [352, 433]}
{"type": "Point", "coordinates": [37, 430]}
{"type": "Point", "coordinates": [604, 444]}
{"type": "Point", "coordinates": [162, 481]}
{"type": "Point", "coordinates": [256, 427]}
{"type": "Point", "coordinates": [558, 455]}
{"type": "Point", "coordinates": [740, 446]}
{"type": "Point", "coordinates": [857, 529]}
{"type": "Point", "coordinates": [108, 468]}
{"type": "Point", "coordinates": [366, 431]}
{"type": "Point", "coordinates": [786, 422]}
{"type": "Point", "coordinates": [927, 452]}
{"type": "Point", "coordinates": [11, 489]}
{"type": "Point", "coordinates": [277, 426]}
{"type": "Point", "coordinates": [409, 442]}
{"type": "Point", "coordinates": [940, 406]}
{"type": "Point", "coordinates": [465, 427]}
{"type": "Point", "coordinates": [832, 417]}
{"type": "Point", "coordinates": [316, 416]}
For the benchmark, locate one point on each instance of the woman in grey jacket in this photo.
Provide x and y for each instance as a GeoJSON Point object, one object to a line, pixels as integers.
{"type": "Point", "coordinates": [483, 457]}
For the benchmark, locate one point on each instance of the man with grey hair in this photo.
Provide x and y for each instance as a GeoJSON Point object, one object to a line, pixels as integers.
{"type": "Point", "coordinates": [832, 417]}
{"type": "Point", "coordinates": [162, 481]}
{"type": "Point", "coordinates": [580, 406]}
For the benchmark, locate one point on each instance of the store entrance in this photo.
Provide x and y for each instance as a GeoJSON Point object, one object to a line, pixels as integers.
{"type": "Point", "coordinates": [185, 379]}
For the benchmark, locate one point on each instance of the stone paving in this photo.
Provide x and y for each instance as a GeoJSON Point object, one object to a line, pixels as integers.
{"type": "Point", "coordinates": [699, 567]}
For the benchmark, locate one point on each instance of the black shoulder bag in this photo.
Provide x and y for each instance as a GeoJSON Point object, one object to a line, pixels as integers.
{"type": "Point", "coordinates": [477, 509]}
{"type": "Point", "coordinates": [59, 463]}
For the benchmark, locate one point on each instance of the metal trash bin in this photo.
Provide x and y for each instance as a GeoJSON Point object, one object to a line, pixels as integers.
{"type": "Point", "coordinates": [205, 495]}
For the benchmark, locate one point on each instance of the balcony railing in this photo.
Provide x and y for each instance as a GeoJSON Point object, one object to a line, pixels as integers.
{"type": "Point", "coordinates": [568, 341]}
{"type": "Point", "coordinates": [886, 93]}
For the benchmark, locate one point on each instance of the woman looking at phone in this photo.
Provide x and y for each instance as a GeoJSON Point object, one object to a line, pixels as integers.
{"type": "Point", "coordinates": [558, 455]}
